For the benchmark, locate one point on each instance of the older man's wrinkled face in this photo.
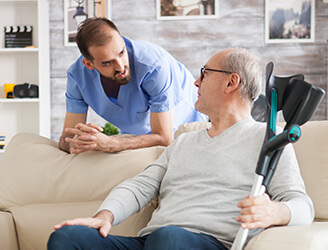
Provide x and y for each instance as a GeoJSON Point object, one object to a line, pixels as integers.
{"type": "Point", "coordinates": [211, 86]}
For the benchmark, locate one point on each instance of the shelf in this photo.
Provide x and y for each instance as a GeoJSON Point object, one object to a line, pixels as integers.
{"type": "Point", "coordinates": [18, 50]}
{"type": "Point", "coordinates": [18, 100]}
{"type": "Point", "coordinates": [11, 1]}
{"type": "Point", "coordinates": [30, 64]}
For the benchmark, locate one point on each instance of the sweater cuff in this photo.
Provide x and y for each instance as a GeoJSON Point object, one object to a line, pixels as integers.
{"type": "Point", "coordinates": [300, 214]}
{"type": "Point", "coordinates": [121, 202]}
{"type": "Point", "coordinates": [115, 207]}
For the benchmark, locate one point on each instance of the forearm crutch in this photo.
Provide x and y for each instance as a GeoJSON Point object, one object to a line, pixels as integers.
{"type": "Point", "coordinates": [298, 100]}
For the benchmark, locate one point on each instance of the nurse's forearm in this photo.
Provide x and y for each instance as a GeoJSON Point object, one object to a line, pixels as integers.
{"type": "Point", "coordinates": [119, 143]}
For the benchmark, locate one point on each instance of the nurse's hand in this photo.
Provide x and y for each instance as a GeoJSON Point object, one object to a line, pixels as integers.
{"type": "Point", "coordinates": [106, 143]}
{"type": "Point", "coordinates": [85, 137]}
{"type": "Point", "coordinates": [88, 137]}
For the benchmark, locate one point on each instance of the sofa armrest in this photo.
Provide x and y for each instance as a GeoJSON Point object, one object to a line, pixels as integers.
{"type": "Point", "coordinates": [8, 238]}
{"type": "Point", "coordinates": [312, 237]}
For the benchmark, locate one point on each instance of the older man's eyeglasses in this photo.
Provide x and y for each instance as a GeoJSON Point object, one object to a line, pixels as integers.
{"type": "Point", "coordinates": [202, 72]}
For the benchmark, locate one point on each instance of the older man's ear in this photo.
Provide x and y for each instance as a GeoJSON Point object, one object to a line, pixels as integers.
{"type": "Point", "coordinates": [233, 83]}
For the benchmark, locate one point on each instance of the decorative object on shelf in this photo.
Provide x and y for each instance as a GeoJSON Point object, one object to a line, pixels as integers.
{"type": "Point", "coordinates": [80, 15]}
{"type": "Point", "coordinates": [30, 64]}
{"type": "Point", "coordinates": [289, 21]}
{"type": "Point", "coordinates": [9, 90]}
{"type": "Point", "coordinates": [26, 90]}
{"type": "Point", "coordinates": [110, 129]}
{"type": "Point", "coordinates": [2, 141]}
{"type": "Point", "coordinates": [186, 9]}
{"type": "Point", "coordinates": [76, 11]}
{"type": "Point", "coordinates": [18, 36]}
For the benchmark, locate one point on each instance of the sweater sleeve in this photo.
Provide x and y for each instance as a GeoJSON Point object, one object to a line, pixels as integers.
{"type": "Point", "coordinates": [133, 194]}
{"type": "Point", "coordinates": [287, 186]}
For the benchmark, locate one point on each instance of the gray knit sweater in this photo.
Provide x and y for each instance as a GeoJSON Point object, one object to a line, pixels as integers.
{"type": "Point", "coordinates": [201, 179]}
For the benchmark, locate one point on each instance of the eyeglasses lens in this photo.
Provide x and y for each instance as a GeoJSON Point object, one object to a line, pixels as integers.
{"type": "Point", "coordinates": [202, 74]}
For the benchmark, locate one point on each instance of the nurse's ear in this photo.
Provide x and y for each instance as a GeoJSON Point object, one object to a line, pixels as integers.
{"type": "Point", "coordinates": [88, 64]}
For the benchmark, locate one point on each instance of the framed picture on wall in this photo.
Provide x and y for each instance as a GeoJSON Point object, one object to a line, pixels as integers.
{"type": "Point", "coordinates": [75, 11]}
{"type": "Point", "coordinates": [186, 9]}
{"type": "Point", "coordinates": [291, 21]}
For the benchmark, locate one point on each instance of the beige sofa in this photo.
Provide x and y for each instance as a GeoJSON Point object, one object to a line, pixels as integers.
{"type": "Point", "coordinates": [41, 185]}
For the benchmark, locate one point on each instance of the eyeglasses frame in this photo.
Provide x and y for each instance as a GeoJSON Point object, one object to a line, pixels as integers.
{"type": "Point", "coordinates": [202, 71]}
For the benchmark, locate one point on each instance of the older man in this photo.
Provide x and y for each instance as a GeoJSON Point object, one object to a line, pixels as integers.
{"type": "Point", "coordinates": [203, 178]}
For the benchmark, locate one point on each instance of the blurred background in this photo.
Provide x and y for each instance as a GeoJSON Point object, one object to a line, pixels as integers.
{"type": "Point", "coordinates": [193, 41]}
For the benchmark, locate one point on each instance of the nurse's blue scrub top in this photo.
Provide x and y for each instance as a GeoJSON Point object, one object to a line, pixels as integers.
{"type": "Point", "coordinates": [159, 83]}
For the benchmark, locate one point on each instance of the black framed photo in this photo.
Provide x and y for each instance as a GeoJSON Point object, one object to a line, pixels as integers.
{"type": "Point", "coordinates": [291, 21]}
{"type": "Point", "coordinates": [77, 10]}
{"type": "Point", "coordinates": [186, 9]}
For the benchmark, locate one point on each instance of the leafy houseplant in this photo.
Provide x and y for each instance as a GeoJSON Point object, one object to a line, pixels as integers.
{"type": "Point", "coordinates": [110, 129]}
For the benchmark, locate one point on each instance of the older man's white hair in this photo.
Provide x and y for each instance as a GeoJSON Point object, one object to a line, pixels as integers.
{"type": "Point", "coordinates": [240, 61]}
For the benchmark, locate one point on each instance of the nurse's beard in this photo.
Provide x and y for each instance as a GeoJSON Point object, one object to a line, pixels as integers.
{"type": "Point", "coordinates": [125, 80]}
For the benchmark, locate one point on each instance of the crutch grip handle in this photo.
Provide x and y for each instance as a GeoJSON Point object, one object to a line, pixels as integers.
{"type": "Point", "coordinates": [292, 134]}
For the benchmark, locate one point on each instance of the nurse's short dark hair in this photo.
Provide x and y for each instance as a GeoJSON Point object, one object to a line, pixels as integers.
{"type": "Point", "coordinates": [91, 33]}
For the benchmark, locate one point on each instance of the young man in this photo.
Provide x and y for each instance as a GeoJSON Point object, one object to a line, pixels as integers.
{"type": "Point", "coordinates": [203, 178]}
{"type": "Point", "coordinates": [135, 85]}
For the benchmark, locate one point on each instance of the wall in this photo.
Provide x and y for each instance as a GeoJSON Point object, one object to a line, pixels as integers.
{"type": "Point", "coordinates": [193, 42]}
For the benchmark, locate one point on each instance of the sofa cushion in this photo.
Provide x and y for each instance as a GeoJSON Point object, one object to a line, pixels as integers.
{"type": "Point", "coordinates": [34, 171]}
{"type": "Point", "coordinates": [311, 237]}
{"type": "Point", "coordinates": [312, 155]}
{"type": "Point", "coordinates": [34, 223]}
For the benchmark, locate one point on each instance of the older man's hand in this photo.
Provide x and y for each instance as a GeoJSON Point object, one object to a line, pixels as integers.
{"type": "Point", "coordinates": [261, 212]}
{"type": "Point", "coordinates": [102, 221]}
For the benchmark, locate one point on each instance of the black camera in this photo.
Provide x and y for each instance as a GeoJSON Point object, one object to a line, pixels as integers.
{"type": "Point", "coordinates": [26, 90]}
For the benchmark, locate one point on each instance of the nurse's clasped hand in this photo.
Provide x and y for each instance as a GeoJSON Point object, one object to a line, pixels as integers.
{"type": "Point", "coordinates": [89, 137]}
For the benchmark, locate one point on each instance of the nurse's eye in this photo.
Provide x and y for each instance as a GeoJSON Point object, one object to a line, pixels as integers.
{"type": "Point", "coordinates": [105, 64]}
{"type": "Point", "coordinates": [122, 52]}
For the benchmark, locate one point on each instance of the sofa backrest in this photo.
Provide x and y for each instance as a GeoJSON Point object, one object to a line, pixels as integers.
{"type": "Point", "coordinates": [312, 155]}
{"type": "Point", "coordinates": [34, 171]}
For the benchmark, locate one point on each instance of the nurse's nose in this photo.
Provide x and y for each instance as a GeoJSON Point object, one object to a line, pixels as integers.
{"type": "Point", "coordinates": [119, 65]}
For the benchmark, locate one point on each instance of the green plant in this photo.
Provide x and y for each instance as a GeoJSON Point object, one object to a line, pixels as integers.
{"type": "Point", "coordinates": [110, 129]}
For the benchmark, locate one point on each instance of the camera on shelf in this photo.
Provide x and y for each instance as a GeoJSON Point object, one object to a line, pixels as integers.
{"type": "Point", "coordinates": [25, 90]}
